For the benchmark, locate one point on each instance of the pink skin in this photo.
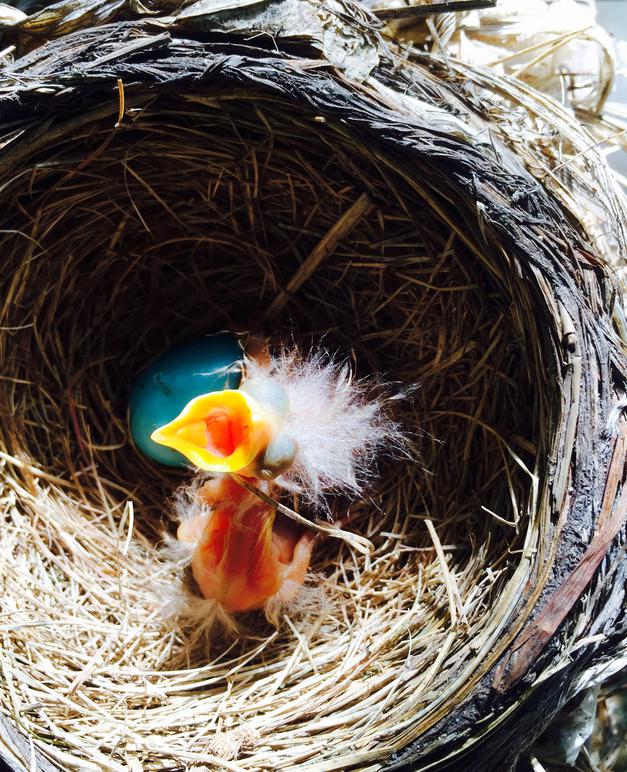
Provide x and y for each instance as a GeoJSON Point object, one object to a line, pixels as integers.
{"type": "Point", "coordinates": [244, 555]}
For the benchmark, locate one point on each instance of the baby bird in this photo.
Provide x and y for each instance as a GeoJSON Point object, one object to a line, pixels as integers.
{"type": "Point", "coordinates": [295, 425]}
{"type": "Point", "coordinates": [244, 557]}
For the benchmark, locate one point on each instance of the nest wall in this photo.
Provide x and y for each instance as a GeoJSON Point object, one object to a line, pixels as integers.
{"type": "Point", "coordinates": [177, 189]}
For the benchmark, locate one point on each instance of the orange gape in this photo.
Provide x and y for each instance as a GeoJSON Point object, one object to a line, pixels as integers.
{"type": "Point", "coordinates": [244, 555]}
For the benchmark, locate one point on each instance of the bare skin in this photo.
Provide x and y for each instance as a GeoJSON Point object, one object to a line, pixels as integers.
{"type": "Point", "coordinates": [244, 555]}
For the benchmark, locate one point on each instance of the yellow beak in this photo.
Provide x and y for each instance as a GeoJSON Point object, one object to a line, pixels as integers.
{"type": "Point", "coordinates": [223, 431]}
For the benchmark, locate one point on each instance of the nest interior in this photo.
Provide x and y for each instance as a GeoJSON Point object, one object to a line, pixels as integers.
{"type": "Point", "coordinates": [190, 217]}
{"type": "Point", "coordinates": [190, 214]}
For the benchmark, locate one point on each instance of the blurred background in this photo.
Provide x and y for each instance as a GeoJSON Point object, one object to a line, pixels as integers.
{"type": "Point", "coordinates": [612, 14]}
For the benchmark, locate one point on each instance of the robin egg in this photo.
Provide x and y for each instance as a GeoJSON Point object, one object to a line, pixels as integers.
{"type": "Point", "coordinates": [162, 390]}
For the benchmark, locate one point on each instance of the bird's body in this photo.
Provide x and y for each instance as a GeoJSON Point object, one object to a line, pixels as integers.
{"type": "Point", "coordinates": [243, 556]}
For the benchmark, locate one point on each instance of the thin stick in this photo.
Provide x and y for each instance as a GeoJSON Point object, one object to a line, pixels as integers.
{"type": "Point", "coordinates": [529, 645]}
{"type": "Point", "coordinates": [536, 47]}
{"type": "Point", "coordinates": [360, 543]}
{"type": "Point", "coordinates": [446, 574]}
{"type": "Point", "coordinates": [122, 102]}
{"type": "Point", "coordinates": [130, 48]}
{"type": "Point", "coordinates": [325, 247]}
{"type": "Point", "coordinates": [420, 11]}
{"type": "Point", "coordinates": [553, 46]}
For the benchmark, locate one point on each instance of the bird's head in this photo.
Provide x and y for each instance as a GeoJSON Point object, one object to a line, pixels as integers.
{"type": "Point", "coordinates": [234, 431]}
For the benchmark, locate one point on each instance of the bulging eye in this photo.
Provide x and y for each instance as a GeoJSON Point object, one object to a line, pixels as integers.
{"type": "Point", "coordinates": [277, 457]}
{"type": "Point", "coordinates": [270, 394]}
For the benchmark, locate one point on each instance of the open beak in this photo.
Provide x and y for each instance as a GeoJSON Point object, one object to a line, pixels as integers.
{"type": "Point", "coordinates": [223, 431]}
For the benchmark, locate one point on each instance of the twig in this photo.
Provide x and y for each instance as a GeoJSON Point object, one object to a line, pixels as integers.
{"type": "Point", "coordinates": [421, 11]}
{"type": "Point", "coordinates": [360, 543]}
{"type": "Point", "coordinates": [122, 102]}
{"type": "Point", "coordinates": [456, 610]}
{"type": "Point", "coordinates": [530, 644]}
{"type": "Point", "coordinates": [551, 47]}
{"type": "Point", "coordinates": [130, 48]}
{"type": "Point", "coordinates": [321, 251]}
{"type": "Point", "coordinates": [594, 145]}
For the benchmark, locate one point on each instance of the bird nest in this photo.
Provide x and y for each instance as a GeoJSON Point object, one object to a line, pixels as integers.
{"type": "Point", "coordinates": [191, 185]}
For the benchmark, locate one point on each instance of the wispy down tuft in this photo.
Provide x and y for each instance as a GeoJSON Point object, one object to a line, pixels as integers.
{"type": "Point", "coordinates": [341, 424]}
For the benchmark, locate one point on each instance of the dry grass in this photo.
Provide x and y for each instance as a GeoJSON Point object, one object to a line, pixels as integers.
{"type": "Point", "coordinates": [558, 121]}
{"type": "Point", "coordinates": [192, 216]}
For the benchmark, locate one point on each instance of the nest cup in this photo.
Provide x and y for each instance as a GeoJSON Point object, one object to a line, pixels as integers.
{"type": "Point", "coordinates": [155, 197]}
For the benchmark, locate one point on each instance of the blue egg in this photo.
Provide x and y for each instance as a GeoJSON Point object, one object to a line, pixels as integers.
{"type": "Point", "coordinates": [164, 388]}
